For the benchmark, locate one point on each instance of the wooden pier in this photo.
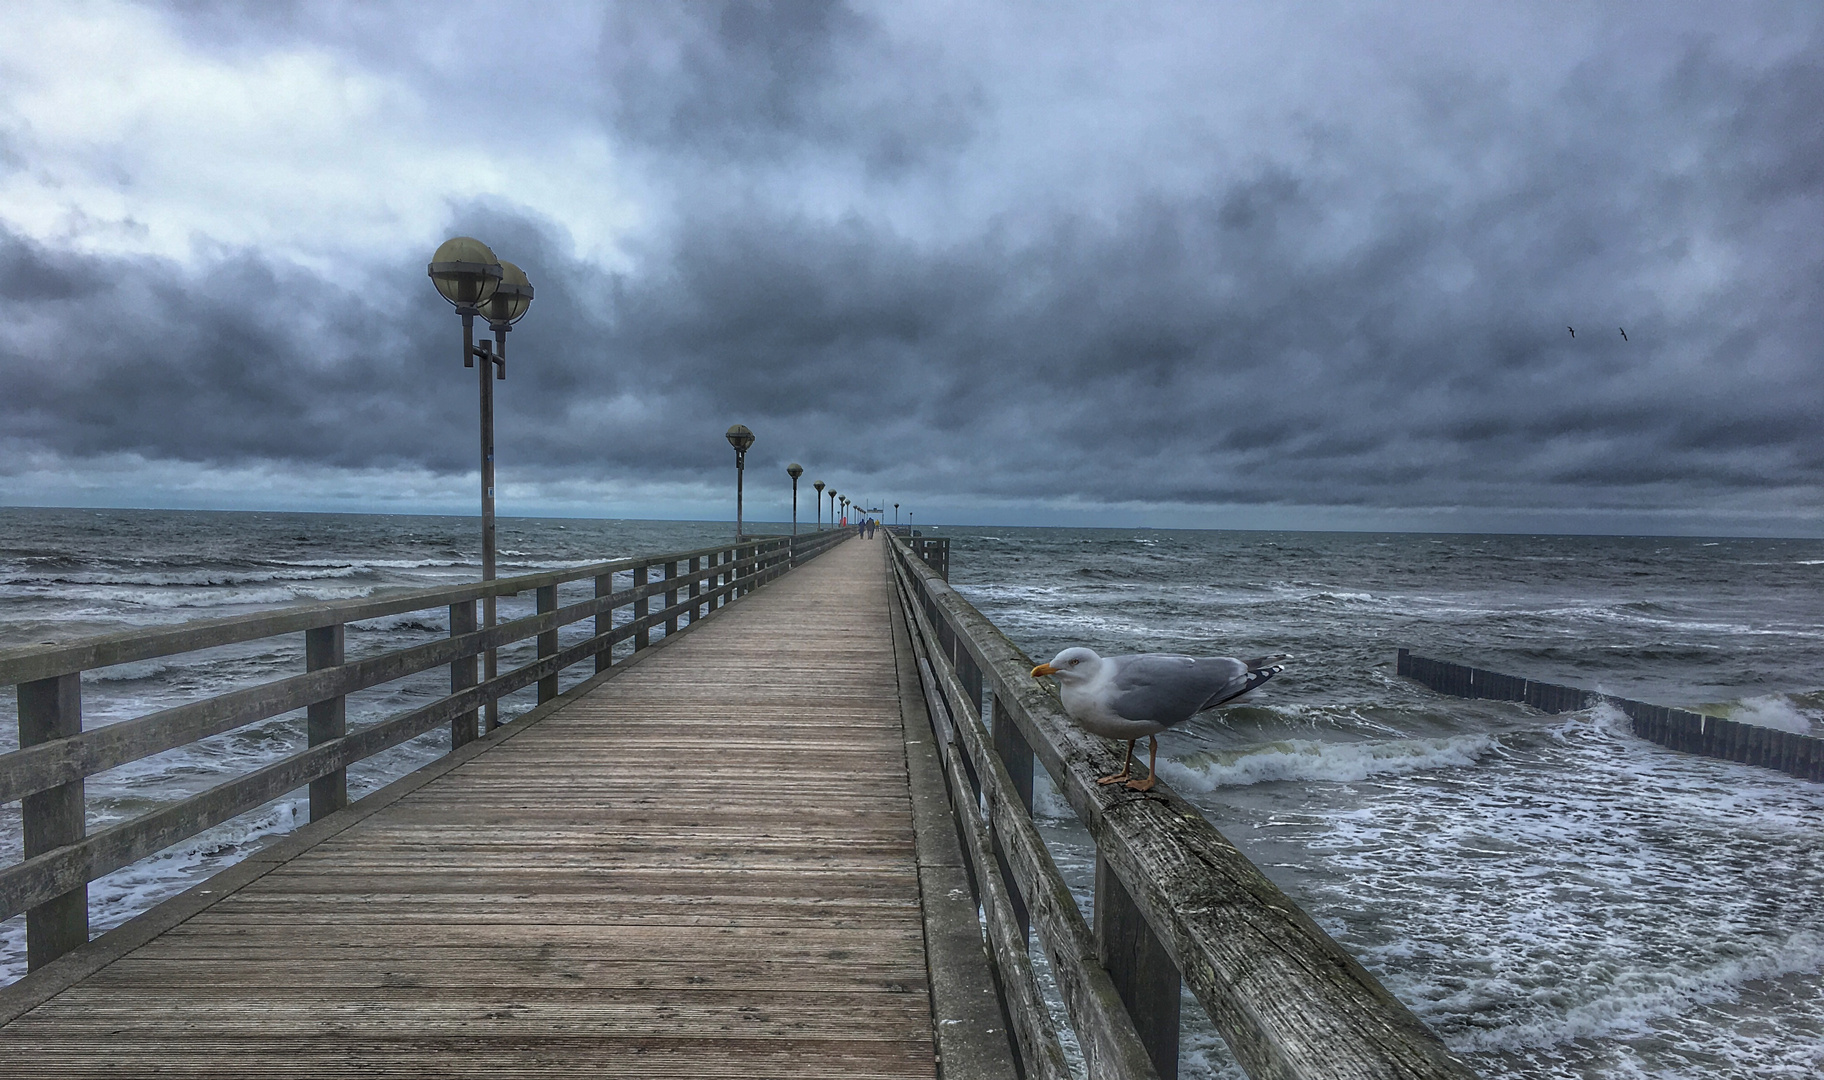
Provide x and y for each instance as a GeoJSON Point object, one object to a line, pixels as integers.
{"type": "Point", "coordinates": [785, 832]}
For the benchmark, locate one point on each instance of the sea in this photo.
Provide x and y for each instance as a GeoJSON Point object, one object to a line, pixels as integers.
{"type": "Point", "coordinates": [1553, 896]}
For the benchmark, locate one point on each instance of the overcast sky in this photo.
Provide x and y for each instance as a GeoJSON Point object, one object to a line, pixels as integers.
{"type": "Point", "coordinates": [1202, 264]}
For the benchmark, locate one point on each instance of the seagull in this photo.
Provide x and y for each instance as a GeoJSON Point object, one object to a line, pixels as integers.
{"type": "Point", "coordinates": [1624, 333]}
{"type": "Point", "coordinates": [1572, 330]}
{"type": "Point", "coordinates": [1127, 697]}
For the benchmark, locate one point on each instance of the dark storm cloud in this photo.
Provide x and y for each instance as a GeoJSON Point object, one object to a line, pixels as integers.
{"type": "Point", "coordinates": [1366, 310]}
{"type": "Point", "coordinates": [738, 79]}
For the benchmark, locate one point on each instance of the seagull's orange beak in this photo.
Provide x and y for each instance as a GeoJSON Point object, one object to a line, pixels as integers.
{"type": "Point", "coordinates": [1043, 669]}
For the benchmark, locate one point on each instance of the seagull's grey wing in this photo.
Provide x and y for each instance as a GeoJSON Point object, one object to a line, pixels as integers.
{"type": "Point", "coordinates": [1171, 689]}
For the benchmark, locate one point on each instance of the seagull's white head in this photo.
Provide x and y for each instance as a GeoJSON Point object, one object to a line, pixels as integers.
{"type": "Point", "coordinates": [1071, 665]}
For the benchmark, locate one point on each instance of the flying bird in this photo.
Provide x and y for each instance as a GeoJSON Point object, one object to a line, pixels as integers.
{"type": "Point", "coordinates": [1130, 697]}
{"type": "Point", "coordinates": [1573, 331]}
{"type": "Point", "coordinates": [1624, 333]}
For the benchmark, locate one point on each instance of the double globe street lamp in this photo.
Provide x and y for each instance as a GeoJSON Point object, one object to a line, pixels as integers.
{"type": "Point", "coordinates": [467, 274]}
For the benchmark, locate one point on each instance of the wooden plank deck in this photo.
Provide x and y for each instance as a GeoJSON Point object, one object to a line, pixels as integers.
{"type": "Point", "coordinates": [704, 866]}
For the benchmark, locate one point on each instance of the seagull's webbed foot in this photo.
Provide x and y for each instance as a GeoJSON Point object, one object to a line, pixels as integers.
{"type": "Point", "coordinates": [1152, 769]}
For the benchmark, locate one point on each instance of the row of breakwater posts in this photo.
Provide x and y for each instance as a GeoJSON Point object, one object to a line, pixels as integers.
{"type": "Point", "coordinates": [784, 829]}
{"type": "Point", "coordinates": [1676, 729]}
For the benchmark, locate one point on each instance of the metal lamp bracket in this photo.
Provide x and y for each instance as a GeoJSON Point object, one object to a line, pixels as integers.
{"type": "Point", "coordinates": [484, 351]}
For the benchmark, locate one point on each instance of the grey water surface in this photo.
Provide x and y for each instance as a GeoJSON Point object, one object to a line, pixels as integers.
{"type": "Point", "coordinates": [1553, 896]}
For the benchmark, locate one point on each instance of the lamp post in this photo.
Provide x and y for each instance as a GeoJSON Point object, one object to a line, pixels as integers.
{"type": "Point", "coordinates": [896, 515]}
{"type": "Point", "coordinates": [794, 470]}
{"type": "Point", "coordinates": [467, 274]}
{"type": "Point", "coordinates": [819, 486]}
{"type": "Point", "coordinates": [832, 508]}
{"type": "Point", "coordinates": [740, 438]}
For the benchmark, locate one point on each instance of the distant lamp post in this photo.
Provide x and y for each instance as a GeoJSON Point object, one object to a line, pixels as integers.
{"type": "Point", "coordinates": [740, 438]}
{"type": "Point", "coordinates": [819, 486]}
{"type": "Point", "coordinates": [794, 470]}
{"type": "Point", "coordinates": [833, 508]}
{"type": "Point", "coordinates": [896, 515]}
{"type": "Point", "coordinates": [467, 274]}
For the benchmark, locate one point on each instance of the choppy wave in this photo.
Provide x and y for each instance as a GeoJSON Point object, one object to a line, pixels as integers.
{"type": "Point", "coordinates": [1641, 998]}
{"type": "Point", "coordinates": [1306, 759]}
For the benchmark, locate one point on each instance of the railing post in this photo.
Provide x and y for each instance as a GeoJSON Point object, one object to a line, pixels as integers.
{"type": "Point", "coordinates": [696, 587]}
{"type": "Point", "coordinates": [547, 642]}
{"type": "Point", "coordinates": [52, 709]}
{"type": "Point", "coordinates": [604, 586]}
{"type": "Point", "coordinates": [1141, 969]}
{"type": "Point", "coordinates": [642, 637]}
{"type": "Point", "coordinates": [465, 727]}
{"type": "Point", "coordinates": [1011, 746]}
{"type": "Point", "coordinates": [326, 720]}
{"type": "Point", "coordinates": [671, 598]}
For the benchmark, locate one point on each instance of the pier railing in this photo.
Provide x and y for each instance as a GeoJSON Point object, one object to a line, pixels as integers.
{"type": "Point", "coordinates": [1176, 904]}
{"type": "Point", "coordinates": [46, 774]}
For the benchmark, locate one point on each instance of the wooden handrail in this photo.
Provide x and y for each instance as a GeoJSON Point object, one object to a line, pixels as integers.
{"type": "Point", "coordinates": [31, 663]}
{"type": "Point", "coordinates": [50, 884]}
{"type": "Point", "coordinates": [38, 768]}
{"type": "Point", "coordinates": [1290, 1002]}
{"type": "Point", "coordinates": [1106, 1035]}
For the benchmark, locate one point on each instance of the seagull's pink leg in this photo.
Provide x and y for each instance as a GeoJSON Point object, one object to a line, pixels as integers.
{"type": "Point", "coordinates": [1125, 762]}
{"type": "Point", "coordinates": [1152, 769]}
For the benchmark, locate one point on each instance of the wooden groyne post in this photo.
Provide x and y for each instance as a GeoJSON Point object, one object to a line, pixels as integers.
{"type": "Point", "coordinates": [1676, 729]}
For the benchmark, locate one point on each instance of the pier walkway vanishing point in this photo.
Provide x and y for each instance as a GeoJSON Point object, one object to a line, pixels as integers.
{"type": "Point", "coordinates": [791, 837]}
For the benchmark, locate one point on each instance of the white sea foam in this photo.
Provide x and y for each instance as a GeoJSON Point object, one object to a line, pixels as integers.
{"type": "Point", "coordinates": [1639, 998]}
{"type": "Point", "coordinates": [1306, 759]}
{"type": "Point", "coordinates": [1773, 711]}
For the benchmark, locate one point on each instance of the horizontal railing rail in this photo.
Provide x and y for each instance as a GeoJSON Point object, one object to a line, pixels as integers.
{"type": "Point", "coordinates": [1003, 848]}
{"type": "Point", "coordinates": [55, 756]}
{"type": "Point", "coordinates": [1176, 904]}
